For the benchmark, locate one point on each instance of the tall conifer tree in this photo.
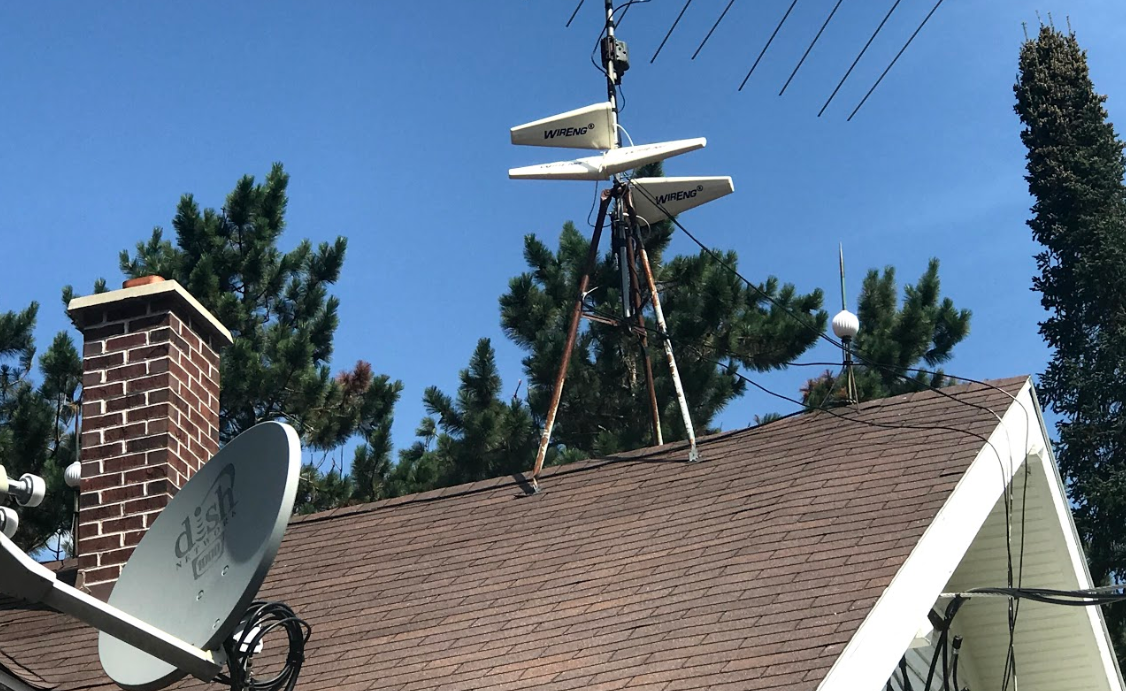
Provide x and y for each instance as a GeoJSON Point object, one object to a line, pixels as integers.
{"type": "Point", "coordinates": [1075, 174]}
{"type": "Point", "coordinates": [277, 306]}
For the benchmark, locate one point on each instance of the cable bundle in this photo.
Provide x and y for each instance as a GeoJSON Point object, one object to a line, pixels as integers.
{"type": "Point", "coordinates": [260, 620]}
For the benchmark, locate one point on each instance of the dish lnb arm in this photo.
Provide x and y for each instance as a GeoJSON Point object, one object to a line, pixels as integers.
{"type": "Point", "coordinates": [24, 578]}
{"type": "Point", "coordinates": [28, 491]}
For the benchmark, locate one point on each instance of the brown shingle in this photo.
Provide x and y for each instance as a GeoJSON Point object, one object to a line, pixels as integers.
{"type": "Point", "coordinates": [749, 570]}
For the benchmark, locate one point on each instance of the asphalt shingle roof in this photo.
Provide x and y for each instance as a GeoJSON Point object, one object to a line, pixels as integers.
{"type": "Point", "coordinates": [748, 570]}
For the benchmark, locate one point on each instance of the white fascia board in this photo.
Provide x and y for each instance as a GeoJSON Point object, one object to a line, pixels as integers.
{"type": "Point", "coordinates": [874, 651]}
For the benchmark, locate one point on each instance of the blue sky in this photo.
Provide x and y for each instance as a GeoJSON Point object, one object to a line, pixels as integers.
{"type": "Point", "coordinates": [392, 119]}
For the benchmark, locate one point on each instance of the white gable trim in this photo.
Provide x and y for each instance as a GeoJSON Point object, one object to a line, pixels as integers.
{"type": "Point", "coordinates": [874, 651]}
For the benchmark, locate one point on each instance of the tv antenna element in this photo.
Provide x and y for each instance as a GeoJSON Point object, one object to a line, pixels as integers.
{"type": "Point", "coordinates": [634, 202]}
{"type": "Point", "coordinates": [184, 603]}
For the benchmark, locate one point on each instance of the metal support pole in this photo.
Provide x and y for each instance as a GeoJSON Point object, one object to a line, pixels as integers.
{"type": "Point", "coordinates": [693, 452]}
{"type": "Point", "coordinates": [643, 340]}
{"type": "Point", "coordinates": [572, 333]}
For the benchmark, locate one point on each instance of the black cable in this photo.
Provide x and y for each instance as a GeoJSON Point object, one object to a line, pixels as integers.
{"type": "Point", "coordinates": [810, 48]}
{"type": "Point", "coordinates": [710, 31]}
{"type": "Point", "coordinates": [894, 60]}
{"type": "Point", "coordinates": [860, 55]}
{"type": "Point", "coordinates": [671, 29]}
{"type": "Point", "coordinates": [260, 620]}
{"type": "Point", "coordinates": [768, 42]}
{"type": "Point", "coordinates": [574, 14]}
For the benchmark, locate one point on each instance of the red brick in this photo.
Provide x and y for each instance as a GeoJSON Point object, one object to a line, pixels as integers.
{"type": "Point", "coordinates": [92, 408]}
{"type": "Point", "coordinates": [87, 561]}
{"type": "Point", "coordinates": [152, 472]}
{"type": "Point", "coordinates": [123, 463]}
{"type": "Point", "coordinates": [122, 525]}
{"type": "Point", "coordinates": [125, 342]}
{"type": "Point", "coordinates": [108, 573]}
{"type": "Point", "coordinates": [146, 443]}
{"type": "Point", "coordinates": [112, 496]}
{"type": "Point", "coordinates": [103, 361]}
{"type": "Point", "coordinates": [97, 393]}
{"type": "Point", "coordinates": [132, 371]}
{"type": "Point", "coordinates": [99, 544]}
{"type": "Point", "coordinates": [100, 332]}
{"type": "Point", "coordinates": [117, 556]}
{"type": "Point", "coordinates": [102, 421]}
{"type": "Point", "coordinates": [158, 365]}
{"type": "Point", "coordinates": [158, 381]}
{"type": "Point", "coordinates": [149, 352]}
{"type": "Point", "coordinates": [100, 482]}
{"type": "Point", "coordinates": [127, 432]}
{"type": "Point", "coordinates": [124, 403]}
{"type": "Point", "coordinates": [135, 507]}
{"type": "Point", "coordinates": [93, 438]}
{"type": "Point", "coordinates": [94, 453]}
{"type": "Point", "coordinates": [93, 348]}
{"type": "Point", "coordinates": [92, 378]}
{"type": "Point", "coordinates": [157, 487]}
{"type": "Point", "coordinates": [152, 412]}
{"type": "Point", "coordinates": [98, 513]}
{"type": "Point", "coordinates": [132, 539]}
{"type": "Point", "coordinates": [145, 323]}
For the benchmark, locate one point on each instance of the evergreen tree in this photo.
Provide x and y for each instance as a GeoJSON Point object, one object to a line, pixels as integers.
{"type": "Point", "coordinates": [475, 436]}
{"type": "Point", "coordinates": [37, 424]}
{"type": "Point", "coordinates": [277, 306]}
{"type": "Point", "coordinates": [713, 316]}
{"type": "Point", "coordinates": [893, 339]}
{"type": "Point", "coordinates": [1075, 174]}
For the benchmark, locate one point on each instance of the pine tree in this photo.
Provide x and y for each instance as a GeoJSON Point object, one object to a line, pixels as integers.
{"type": "Point", "coordinates": [36, 424]}
{"type": "Point", "coordinates": [894, 339]}
{"type": "Point", "coordinates": [716, 323]}
{"type": "Point", "coordinates": [1075, 174]}
{"type": "Point", "coordinates": [277, 306]}
{"type": "Point", "coordinates": [475, 436]}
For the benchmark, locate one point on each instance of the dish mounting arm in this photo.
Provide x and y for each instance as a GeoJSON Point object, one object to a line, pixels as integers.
{"type": "Point", "coordinates": [24, 578]}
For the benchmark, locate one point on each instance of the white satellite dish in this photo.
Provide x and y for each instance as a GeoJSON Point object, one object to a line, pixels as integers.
{"type": "Point", "coordinates": [199, 566]}
{"type": "Point", "coordinates": [608, 164]}
{"type": "Point", "coordinates": [675, 195]}
{"type": "Point", "coordinates": [194, 574]}
{"type": "Point", "coordinates": [592, 127]}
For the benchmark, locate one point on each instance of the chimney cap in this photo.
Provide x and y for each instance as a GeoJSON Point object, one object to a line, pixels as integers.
{"type": "Point", "coordinates": [79, 307]}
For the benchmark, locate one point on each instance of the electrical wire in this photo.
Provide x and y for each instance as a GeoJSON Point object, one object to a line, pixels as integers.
{"type": "Point", "coordinates": [671, 29]}
{"type": "Point", "coordinates": [810, 48]}
{"type": "Point", "coordinates": [260, 620]}
{"type": "Point", "coordinates": [894, 60]}
{"type": "Point", "coordinates": [712, 30]}
{"type": "Point", "coordinates": [574, 14]}
{"type": "Point", "coordinates": [768, 42]}
{"type": "Point", "coordinates": [860, 55]}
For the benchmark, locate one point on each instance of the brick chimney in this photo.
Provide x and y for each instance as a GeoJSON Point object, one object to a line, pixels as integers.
{"type": "Point", "coordinates": [150, 413]}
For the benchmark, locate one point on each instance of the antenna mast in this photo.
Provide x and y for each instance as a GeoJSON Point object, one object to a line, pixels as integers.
{"type": "Point", "coordinates": [846, 325]}
{"type": "Point", "coordinates": [596, 127]}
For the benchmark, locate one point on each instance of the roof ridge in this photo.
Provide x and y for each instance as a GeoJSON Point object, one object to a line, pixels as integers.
{"type": "Point", "coordinates": [519, 480]}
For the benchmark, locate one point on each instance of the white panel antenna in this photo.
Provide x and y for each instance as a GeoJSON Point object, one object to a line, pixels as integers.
{"type": "Point", "coordinates": [592, 127]}
{"type": "Point", "coordinates": [675, 195]}
{"type": "Point", "coordinates": [608, 164]}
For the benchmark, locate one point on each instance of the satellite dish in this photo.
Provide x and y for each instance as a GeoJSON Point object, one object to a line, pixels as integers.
{"type": "Point", "coordinates": [675, 195]}
{"type": "Point", "coordinates": [608, 164]}
{"type": "Point", "coordinates": [200, 565]}
{"type": "Point", "coordinates": [591, 127]}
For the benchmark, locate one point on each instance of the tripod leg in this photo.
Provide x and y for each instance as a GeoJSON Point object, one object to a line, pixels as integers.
{"type": "Point", "coordinates": [693, 452]}
{"type": "Point", "coordinates": [572, 333]}
{"type": "Point", "coordinates": [643, 339]}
